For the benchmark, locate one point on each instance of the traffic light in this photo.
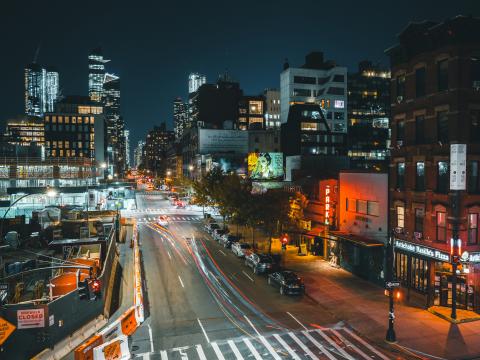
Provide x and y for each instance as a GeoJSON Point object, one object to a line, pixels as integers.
{"type": "Point", "coordinates": [83, 290]}
{"type": "Point", "coordinates": [97, 289]}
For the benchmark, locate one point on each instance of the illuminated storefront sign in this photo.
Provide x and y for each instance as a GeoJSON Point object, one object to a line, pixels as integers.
{"type": "Point", "coordinates": [327, 204]}
{"type": "Point", "coordinates": [422, 250]}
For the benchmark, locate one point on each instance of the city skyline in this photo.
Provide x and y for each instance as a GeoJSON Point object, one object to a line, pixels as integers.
{"type": "Point", "coordinates": [154, 67]}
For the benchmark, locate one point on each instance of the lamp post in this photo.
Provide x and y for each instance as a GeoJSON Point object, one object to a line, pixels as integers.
{"type": "Point", "coordinates": [391, 337]}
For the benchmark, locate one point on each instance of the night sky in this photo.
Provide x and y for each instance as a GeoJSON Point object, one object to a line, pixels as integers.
{"type": "Point", "coordinates": [154, 45]}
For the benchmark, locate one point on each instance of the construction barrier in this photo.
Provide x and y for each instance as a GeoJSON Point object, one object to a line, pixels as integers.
{"type": "Point", "coordinates": [116, 349]}
{"type": "Point", "coordinates": [110, 342]}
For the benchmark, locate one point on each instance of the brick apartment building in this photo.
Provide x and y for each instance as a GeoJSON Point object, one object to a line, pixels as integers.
{"type": "Point", "coordinates": [435, 89]}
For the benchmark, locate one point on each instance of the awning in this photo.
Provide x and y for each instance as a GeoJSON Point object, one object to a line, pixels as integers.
{"type": "Point", "coordinates": [356, 239]}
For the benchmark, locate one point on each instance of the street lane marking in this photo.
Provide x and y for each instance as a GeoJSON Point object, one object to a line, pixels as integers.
{"type": "Point", "coordinates": [220, 251]}
{"type": "Point", "coordinates": [348, 343]}
{"type": "Point", "coordinates": [217, 351]}
{"type": "Point", "coordinates": [151, 338]}
{"type": "Point", "coordinates": [318, 345]}
{"type": "Point", "coordinates": [286, 347]}
{"type": "Point", "coordinates": [294, 318]}
{"type": "Point", "coordinates": [248, 276]}
{"type": "Point", "coordinates": [263, 340]}
{"type": "Point", "coordinates": [302, 345]}
{"type": "Point", "coordinates": [335, 345]}
{"type": "Point", "coordinates": [235, 350]}
{"type": "Point", "coordinates": [254, 351]}
{"type": "Point", "coordinates": [203, 330]}
{"type": "Point", "coordinates": [163, 355]}
{"type": "Point", "coordinates": [181, 282]}
{"type": "Point", "coordinates": [364, 343]}
{"type": "Point", "coordinates": [200, 352]}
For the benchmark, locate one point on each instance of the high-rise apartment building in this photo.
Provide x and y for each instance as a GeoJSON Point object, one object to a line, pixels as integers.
{"type": "Point", "coordinates": [272, 108]}
{"type": "Point", "coordinates": [138, 154]}
{"type": "Point", "coordinates": [158, 141]}
{"type": "Point", "coordinates": [195, 80]}
{"type": "Point", "coordinates": [316, 82]}
{"type": "Point", "coordinates": [368, 117]}
{"type": "Point", "coordinates": [436, 103]}
{"type": "Point", "coordinates": [25, 130]}
{"type": "Point", "coordinates": [41, 89]}
{"type": "Point", "coordinates": [96, 74]}
{"type": "Point", "coordinates": [251, 113]}
{"type": "Point", "coordinates": [126, 135]}
{"type": "Point", "coordinates": [180, 117]}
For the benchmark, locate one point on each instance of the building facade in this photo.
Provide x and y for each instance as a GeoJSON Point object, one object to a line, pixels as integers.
{"type": "Point", "coordinates": [435, 103]}
{"type": "Point", "coordinates": [368, 117]}
{"type": "Point", "coordinates": [251, 113]}
{"type": "Point", "coordinates": [126, 135]}
{"type": "Point", "coordinates": [195, 80]}
{"type": "Point", "coordinates": [138, 154]}
{"type": "Point", "coordinates": [158, 141]}
{"type": "Point", "coordinates": [316, 82]}
{"type": "Point", "coordinates": [272, 108]}
{"type": "Point", "coordinates": [26, 130]}
{"type": "Point", "coordinates": [41, 89]}
{"type": "Point", "coordinates": [180, 118]}
{"type": "Point", "coordinates": [96, 74]}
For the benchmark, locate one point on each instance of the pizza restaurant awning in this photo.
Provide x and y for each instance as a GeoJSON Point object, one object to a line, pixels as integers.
{"type": "Point", "coordinates": [356, 239]}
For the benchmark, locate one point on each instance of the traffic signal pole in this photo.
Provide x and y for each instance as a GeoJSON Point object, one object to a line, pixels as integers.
{"type": "Point", "coordinates": [391, 336]}
{"type": "Point", "coordinates": [455, 248]}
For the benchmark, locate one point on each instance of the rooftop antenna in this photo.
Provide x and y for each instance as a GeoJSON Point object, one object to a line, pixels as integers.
{"type": "Point", "coordinates": [35, 57]}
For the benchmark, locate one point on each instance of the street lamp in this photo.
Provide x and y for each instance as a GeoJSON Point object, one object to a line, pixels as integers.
{"type": "Point", "coordinates": [110, 177]}
{"type": "Point", "coordinates": [169, 173]}
{"type": "Point", "coordinates": [190, 167]}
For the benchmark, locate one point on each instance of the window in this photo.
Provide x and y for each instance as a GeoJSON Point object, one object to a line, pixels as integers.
{"type": "Point", "coordinates": [473, 228]}
{"type": "Point", "coordinates": [473, 185]}
{"type": "Point", "coordinates": [442, 75]}
{"type": "Point", "coordinates": [275, 139]}
{"type": "Point", "coordinates": [401, 176]}
{"type": "Point", "coordinates": [400, 131]}
{"type": "Point", "coordinates": [441, 226]}
{"type": "Point", "coordinates": [256, 139]}
{"type": "Point", "coordinates": [373, 208]}
{"type": "Point", "coordinates": [419, 216]}
{"type": "Point", "coordinates": [420, 129]}
{"type": "Point", "coordinates": [362, 206]}
{"type": "Point", "coordinates": [324, 80]}
{"type": "Point", "coordinates": [302, 92]}
{"type": "Point", "coordinates": [442, 177]}
{"type": "Point", "coordinates": [309, 126]}
{"type": "Point", "coordinates": [339, 116]}
{"type": "Point", "coordinates": [346, 204]}
{"type": "Point", "coordinates": [420, 82]}
{"type": "Point", "coordinates": [339, 78]}
{"type": "Point", "coordinates": [401, 217]}
{"type": "Point", "coordinates": [475, 126]}
{"type": "Point", "coordinates": [420, 176]}
{"type": "Point", "coordinates": [303, 80]}
{"type": "Point", "coordinates": [400, 84]}
{"type": "Point", "coordinates": [334, 90]}
{"type": "Point", "coordinates": [442, 127]}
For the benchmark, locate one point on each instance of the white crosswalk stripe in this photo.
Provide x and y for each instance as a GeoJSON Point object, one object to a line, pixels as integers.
{"type": "Point", "coordinates": [334, 344]}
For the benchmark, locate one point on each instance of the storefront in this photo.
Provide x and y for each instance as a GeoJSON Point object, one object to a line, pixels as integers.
{"type": "Point", "coordinates": [426, 276]}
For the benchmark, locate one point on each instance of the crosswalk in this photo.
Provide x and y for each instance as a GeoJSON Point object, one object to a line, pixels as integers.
{"type": "Point", "coordinates": [170, 219]}
{"type": "Point", "coordinates": [147, 211]}
{"type": "Point", "coordinates": [314, 344]}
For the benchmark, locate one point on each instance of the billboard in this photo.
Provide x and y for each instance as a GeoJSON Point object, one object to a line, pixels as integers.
{"type": "Point", "coordinates": [222, 141]}
{"type": "Point", "coordinates": [265, 166]}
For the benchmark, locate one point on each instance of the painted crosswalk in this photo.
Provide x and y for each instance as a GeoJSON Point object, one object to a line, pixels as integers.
{"type": "Point", "coordinates": [314, 344]}
{"type": "Point", "coordinates": [186, 218]}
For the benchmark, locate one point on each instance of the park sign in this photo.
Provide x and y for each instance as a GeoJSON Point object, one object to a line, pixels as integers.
{"type": "Point", "coordinates": [422, 250]}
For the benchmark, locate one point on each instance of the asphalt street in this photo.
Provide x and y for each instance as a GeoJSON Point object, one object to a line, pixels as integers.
{"type": "Point", "coordinates": [204, 303]}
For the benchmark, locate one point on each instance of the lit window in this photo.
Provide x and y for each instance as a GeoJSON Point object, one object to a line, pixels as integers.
{"type": "Point", "coordinates": [473, 228]}
{"type": "Point", "coordinates": [400, 217]}
{"type": "Point", "coordinates": [441, 226]}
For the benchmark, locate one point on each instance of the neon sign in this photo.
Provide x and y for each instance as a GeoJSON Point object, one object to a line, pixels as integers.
{"type": "Point", "coordinates": [327, 205]}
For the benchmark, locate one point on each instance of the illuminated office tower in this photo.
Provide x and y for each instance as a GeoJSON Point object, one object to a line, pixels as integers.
{"type": "Point", "coordinates": [96, 74]}
{"type": "Point", "coordinates": [41, 89]}
{"type": "Point", "coordinates": [195, 80]}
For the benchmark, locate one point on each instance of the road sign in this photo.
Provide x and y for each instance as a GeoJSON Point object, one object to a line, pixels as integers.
{"type": "Point", "coordinates": [6, 329]}
{"type": "Point", "coordinates": [392, 284]}
{"type": "Point", "coordinates": [3, 287]}
{"type": "Point", "coordinates": [458, 166]}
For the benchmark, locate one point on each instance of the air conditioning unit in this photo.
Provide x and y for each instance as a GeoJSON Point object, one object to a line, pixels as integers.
{"type": "Point", "coordinates": [399, 99]}
{"type": "Point", "coordinates": [417, 235]}
{"type": "Point", "coordinates": [398, 230]}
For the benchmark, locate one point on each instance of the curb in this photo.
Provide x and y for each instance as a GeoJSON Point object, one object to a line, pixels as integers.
{"type": "Point", "coordinates": [453, 321]}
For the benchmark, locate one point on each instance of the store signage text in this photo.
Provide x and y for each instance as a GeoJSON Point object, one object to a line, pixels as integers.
{"type": "Point", "coordinates": [422, 250]}
{"type": "Point", "coordinates": [474, 257]}
{"type": "Point", "coordinates": [327, 204]}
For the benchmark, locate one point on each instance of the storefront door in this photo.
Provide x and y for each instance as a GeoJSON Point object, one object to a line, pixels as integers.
{"type": "Point", "coordinates": [443, 291]}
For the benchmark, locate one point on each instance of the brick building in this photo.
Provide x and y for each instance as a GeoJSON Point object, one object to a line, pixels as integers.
{"type": "Point", "coordinates": [435, 90]}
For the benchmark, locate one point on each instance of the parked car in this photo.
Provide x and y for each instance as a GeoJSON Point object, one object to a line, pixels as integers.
{"type": "Point", "coordinates": [288, 282]}
{"type": "Point", "coordinates": [227, 240]}
{"type": "Point", "coordinates": [162, 221]}
{"type": "Point", "coordinates": [218, 233]}
{"type": "Point", "coordinates": [259, 263]}
{"type": "Point", "coordinates": [240, 249]}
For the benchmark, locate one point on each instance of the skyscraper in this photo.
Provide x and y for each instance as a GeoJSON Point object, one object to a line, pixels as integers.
{"type": "Point", "coordinates": [126, 135]}
{"type": "Point", "coordinates": [195, 80]}
{"type": "Point", "coordinates": [138, 154]}
{"type": "Point", "coordinates": [41, 89]}
{"type": "Point", "coordinates": [180, 117]}
{"type": "Point", "coordinates": [96, 74]}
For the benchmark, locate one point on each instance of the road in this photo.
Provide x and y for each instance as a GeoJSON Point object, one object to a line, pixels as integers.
{"type": "Point", "coordinates": [203, 303]}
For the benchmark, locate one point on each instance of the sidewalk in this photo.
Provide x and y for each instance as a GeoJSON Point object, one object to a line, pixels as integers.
{"type": "Point", "coordinates": [364, 306]}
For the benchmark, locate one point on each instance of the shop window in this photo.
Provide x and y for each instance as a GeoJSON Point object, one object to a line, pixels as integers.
{"type": "Point", "coordinates": [442, 127]}
{"type": "Point", "coordinates": [441, 226]}
{"type": "Point", "coordinates": [420, 82]}
{"type": "Point", "coordinates": [473, 228]}
{"type": "Point", "coordinates": [443, 178]}
{"type": "Point", "coordinates": [472, 180]}
{"type": "Point", "coordinates": [400, 176]}
{"type": "Point", "coordinates": [420, 176]}
{"type": "Point", "coordinates": [419, 217]}
{"type": "Point", "coordinates": [442, 75]}
{"type": "Point", "coordinates": [419, 274]}
{"type": "Point", "coordinates": [420, 129]}
{"type": "Point", "coordinates": [401, 267]}
{"type": "Point", "coordinates": [401, 217]}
